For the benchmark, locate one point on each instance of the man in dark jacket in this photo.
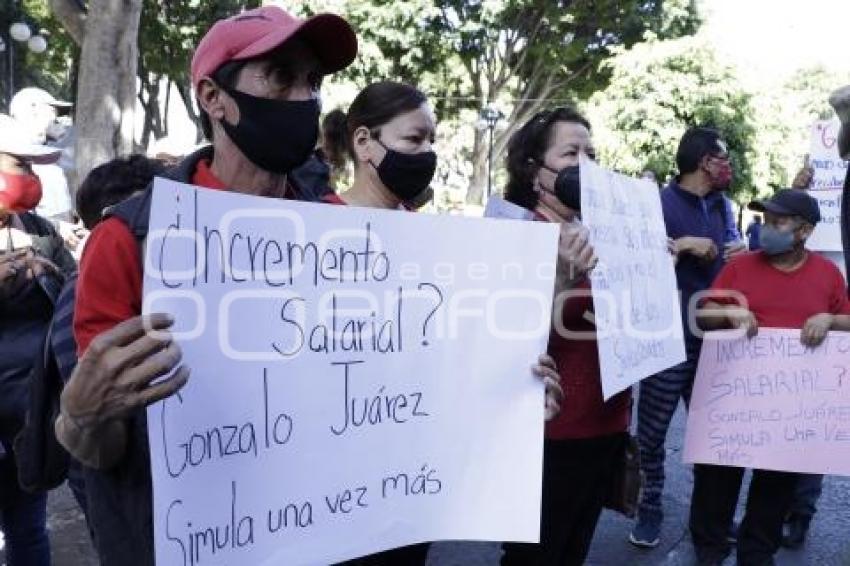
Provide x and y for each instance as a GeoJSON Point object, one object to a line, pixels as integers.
{"type": "Point", "coordinates": [698, 219]}
{"type": "Point", "coordinates": [840, 101]}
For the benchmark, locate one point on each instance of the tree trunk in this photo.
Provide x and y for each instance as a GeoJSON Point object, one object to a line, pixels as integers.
{"type": "Point", "coordinates": [478, 181]}
{"type": "Point", "coordinates": [186, 97]}
{"type": "Point", "coordinates": [167, 109]}
{"type": "Point", "coordinates": [149, 99]}
{"type": "Point", "coordinates": [107, 84]}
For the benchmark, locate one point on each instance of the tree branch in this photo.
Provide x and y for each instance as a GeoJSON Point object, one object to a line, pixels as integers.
{"type": "Point", "coordinates": [72, 17]}
{"type": "Point", "coordinates": [530, 40]}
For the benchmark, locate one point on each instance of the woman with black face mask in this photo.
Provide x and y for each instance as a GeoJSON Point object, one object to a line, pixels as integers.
{"type": "Point", "coordinates": [584, 445]}
{"type": "Point", "coordinates": [390, 132]}
{"type": "Point", "coordinates": [390, 129]}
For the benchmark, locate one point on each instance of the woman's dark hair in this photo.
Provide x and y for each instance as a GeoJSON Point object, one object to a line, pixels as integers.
{"type": "Point", "coordinates": [225, 76]}
{"type": "Point", "coordinates": [335, 138]}
{"type": "Point", "coordinates": [525, 152]}
{"type": "Point", "coordinates": [112, 182]}
{"type": "Point", "coordinates": [378, 104]}
{"type": "Point", "coordinates": [695, 144]}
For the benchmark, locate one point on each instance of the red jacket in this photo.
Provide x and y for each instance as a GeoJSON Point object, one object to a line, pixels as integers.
{"type": "Point", "coordinates": [583, 414]}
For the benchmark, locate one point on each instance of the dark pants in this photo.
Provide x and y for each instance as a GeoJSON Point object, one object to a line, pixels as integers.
{"type": "Point", "coordinates": [715, 497]}
{"type": "Point", "coordinates": [657, 403]}
{"type": "Point", "coordinates": [806, 495]}
{"type": "Point", "coordinates": [576, 477]}
{"type": "Point", "coordinates": [23, 518]}
{"type": "Point", "coordinates": [413, 555]}
{"type": "Point", "coordinates": [77, 483]}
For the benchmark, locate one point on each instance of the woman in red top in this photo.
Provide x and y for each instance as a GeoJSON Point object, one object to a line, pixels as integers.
{"type": "Point", "coordinates": [585, 443]}
{"type": "Point", "coordinates": [390, 128]}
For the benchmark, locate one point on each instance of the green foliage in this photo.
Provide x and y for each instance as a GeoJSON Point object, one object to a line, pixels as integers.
{"type": "Point", "coordinates": [169, 30]}
{"type": "Point", "coordinates": [808, 89]}
{"type": "Point", "coordinates": [660, 88]}
{"type": "Point", "coordinates": [52, 70]}
{"type": "Point", "coordinates": [475, 48]}
{"type": "Point", "coordinates": [521, 54]}
{"type": "Point", "coordinates": [802, 100]}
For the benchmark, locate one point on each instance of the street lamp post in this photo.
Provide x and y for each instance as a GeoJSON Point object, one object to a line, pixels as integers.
{"type": "Point", "coordinates": [19, 32]}
{"type": "Point", "coordinates": [490, 116]}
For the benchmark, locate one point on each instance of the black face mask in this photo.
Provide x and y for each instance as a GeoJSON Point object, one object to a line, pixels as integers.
{"type": "Point", "coordinates": [275, 135]}
{"type": "Point", "coordinates": [406, 175]}
{"type": "Point", "coordinates": [568, 186]}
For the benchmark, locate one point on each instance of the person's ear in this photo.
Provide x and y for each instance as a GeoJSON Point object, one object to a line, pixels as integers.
{"type": "Point", "coordinates": [532, 166]}
{"type": "Point", "coordinates": [210, 99]}
{"type": "Point", "coordinates": [806, 231]}
{"type": "Point", "coordinates": [361, 141]}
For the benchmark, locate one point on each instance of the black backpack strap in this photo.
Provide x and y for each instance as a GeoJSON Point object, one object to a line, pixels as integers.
{"type": "Point", "coordinates": [36, 225]}
{"type": "Point", "coordinates": [42, 463]}
{"type": "Point", "coordinates": [134, 212]}
{"type": "Point", "coordinates": [845, 223]}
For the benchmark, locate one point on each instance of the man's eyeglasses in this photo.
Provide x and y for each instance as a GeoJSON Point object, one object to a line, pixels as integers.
{"type": "Point", "coordinates": [277, 79]}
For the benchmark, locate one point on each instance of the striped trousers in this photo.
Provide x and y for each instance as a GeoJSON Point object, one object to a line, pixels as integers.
{"type": "Point", "coordinates": [659, 396]}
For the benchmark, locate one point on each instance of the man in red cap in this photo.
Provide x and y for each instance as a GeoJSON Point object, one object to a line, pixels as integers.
{"type": "Point", "coordinates": [256, 77]}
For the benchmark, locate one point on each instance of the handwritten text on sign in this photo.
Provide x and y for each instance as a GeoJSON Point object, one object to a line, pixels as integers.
{"type": "Point", "coordinates": [359, 380]}
{"type": "Point", "coordinates": [829, 173]}
{"type": "Point", "coordinates": [770, 403]}
{"type": "Point", "coordinates": [829, 168]}
{"type": "Point", "coordinates": [636, 304]}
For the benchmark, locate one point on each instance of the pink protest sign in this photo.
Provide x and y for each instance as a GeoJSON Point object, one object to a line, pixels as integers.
{"type": "Point", "coordinates": [770, 403]}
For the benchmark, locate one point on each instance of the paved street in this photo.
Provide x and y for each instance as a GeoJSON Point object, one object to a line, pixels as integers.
{"type": "Point", "coordinates": [828, 545]}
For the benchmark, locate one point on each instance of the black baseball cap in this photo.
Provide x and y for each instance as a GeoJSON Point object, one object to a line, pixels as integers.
{"type": "Point", "coordinates": [790, 202]}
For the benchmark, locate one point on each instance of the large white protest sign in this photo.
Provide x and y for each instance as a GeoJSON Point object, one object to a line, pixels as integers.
{"type": "Point", "coordinates": [635, 300]}
{"type": "Point", "coordinates": [360, 378]}
{"type": "Point", "coordinates": [827, 234]}
{"type": "Point", "coordinates": [769, 402]}
{"type": "Point", "coordinates": [829, 173]}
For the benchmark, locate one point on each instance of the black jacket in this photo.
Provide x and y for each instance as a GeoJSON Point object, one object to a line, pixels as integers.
{"type": "Point", "coordinates": [24, 318]}
{"type": "Point", "coordinates": [845, 223]}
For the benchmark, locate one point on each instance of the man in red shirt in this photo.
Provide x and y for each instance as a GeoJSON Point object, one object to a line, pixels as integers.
{"type": "Point", "coordinates": [256, 77]}
{"type": "Point", "coordinates": [782, 286]}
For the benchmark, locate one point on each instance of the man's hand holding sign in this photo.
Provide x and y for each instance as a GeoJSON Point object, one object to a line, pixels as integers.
{"type": "Point", "coordinates": [122, 365]}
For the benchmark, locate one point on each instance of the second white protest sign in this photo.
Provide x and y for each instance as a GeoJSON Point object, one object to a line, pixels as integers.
{"type": "Point", "coordinates": [635, 298]}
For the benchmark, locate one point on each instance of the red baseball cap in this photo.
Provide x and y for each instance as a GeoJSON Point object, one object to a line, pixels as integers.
{"type": "Point", "coordinates": [259, 31]}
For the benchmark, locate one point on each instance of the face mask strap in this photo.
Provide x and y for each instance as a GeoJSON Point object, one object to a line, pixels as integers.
{"type": "Point", "coordinates": [376, 136]}
{"type": "Point", "coordinates": [542, 165]}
